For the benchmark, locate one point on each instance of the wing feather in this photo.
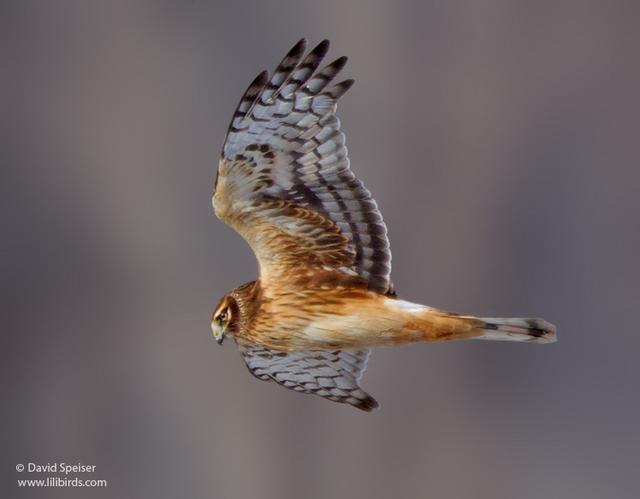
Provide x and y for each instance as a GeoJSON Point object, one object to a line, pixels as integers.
{"type": "Point", "coordinates": [284, 145]}
{"type": "Point", "coordinates": [333, 375]}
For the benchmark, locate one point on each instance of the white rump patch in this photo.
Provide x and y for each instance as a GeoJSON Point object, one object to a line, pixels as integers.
{"type": "Point", "coordinates": [407, 306]}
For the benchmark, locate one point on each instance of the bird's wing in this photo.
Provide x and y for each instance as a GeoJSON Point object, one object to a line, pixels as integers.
{"type": "Point", "coordinates": [333, 375]}
{"type": "Point", "coordinates": [284, 181]}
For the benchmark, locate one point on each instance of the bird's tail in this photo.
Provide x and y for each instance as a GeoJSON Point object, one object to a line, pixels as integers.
{"type": "Point", "coordinates": [416, 323]}
{"type": "Point", "coordinates": [429, 324]}
{"type": "Point", "coordinates": [530, 330]}
{"type": "Point", "coordinates": [446, 326]}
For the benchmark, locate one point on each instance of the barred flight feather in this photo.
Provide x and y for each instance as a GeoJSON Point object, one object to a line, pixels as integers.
{"type": "Point", "coordinates": [330, 374]}
{"type": "Point", "coordinates": [286, 130]}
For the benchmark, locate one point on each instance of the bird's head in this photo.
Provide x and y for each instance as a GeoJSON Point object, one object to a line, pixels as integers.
{"type": "Point", "coordinates": [224, 318]}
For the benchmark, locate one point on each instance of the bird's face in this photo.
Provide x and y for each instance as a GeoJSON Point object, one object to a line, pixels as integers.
{"type": "Point", "coordinates": [223, 318]}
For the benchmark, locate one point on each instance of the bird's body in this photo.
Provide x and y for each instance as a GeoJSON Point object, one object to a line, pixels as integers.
{"type": "Point", "coordinates": [325, 315]}
{"type": "Point", "coordinates": [324, 295]}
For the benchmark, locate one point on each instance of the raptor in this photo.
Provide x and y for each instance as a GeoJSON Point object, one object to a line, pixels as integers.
{"type": "Point", "coordinates": [324, 296]}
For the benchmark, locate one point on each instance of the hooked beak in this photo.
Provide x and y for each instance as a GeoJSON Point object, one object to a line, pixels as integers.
{"type": "Point", "coordinates": [218, 333]}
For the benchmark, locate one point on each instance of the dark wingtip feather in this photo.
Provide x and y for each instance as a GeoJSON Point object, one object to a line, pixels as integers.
{"type": "Point", "coordinates": [256, 85]}
{"type": "Point", "coordinates": [339, 89]}
{"type": "Point", "coordinates": [368, 404]}
{"type": "Point", "coordinates": [322, 48]}
{"type": "Point", "coordinates": [261, 79]}
{"type": "Point", "coordinates": [298, 49]}
{"type": "Point", "coordinates": [346, 84]}
{"type": "Point", "coordinates": [338, 64]}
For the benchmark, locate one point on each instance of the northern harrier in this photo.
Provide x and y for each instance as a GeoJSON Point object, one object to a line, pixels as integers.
{"type": "Point", "coordinates": [324, 296]}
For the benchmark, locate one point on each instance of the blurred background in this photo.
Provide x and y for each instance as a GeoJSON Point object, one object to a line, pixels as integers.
{"type": "Point", "coordinates": [500, 140]}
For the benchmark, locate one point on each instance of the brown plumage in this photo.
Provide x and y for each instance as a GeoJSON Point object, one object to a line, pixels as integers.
{"type": "Point", "coordinates": [324, 295]}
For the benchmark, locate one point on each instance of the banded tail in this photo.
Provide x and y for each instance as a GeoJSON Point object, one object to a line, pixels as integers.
{"type": "Point", "coordinates": [531, 330]}
{"type": "Point", "coordinates": [422, 323]}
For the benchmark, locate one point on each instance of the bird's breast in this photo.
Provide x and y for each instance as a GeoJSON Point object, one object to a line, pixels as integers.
{"type": "Point", "coordinates": [325, 320]}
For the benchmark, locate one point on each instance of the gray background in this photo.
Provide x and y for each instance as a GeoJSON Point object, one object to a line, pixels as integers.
{"type": "Point", "coordinates": [500, 140]}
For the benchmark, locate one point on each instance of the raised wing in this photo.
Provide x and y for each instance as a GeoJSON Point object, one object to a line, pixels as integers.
{"type": "Point", "coordinates": [284, 181]}
{"type": "Point", "coordinates": [333, 375]}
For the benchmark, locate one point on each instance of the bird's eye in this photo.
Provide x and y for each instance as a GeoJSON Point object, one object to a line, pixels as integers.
{"type": "Point", "coordinates": [222, 317]}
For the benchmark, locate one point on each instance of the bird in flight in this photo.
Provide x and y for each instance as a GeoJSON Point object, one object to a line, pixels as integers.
{"type": "Point", "coordinates": [324, 296]}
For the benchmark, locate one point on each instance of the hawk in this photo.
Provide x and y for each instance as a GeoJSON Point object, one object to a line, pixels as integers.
{"type": "Point", "coordinates": [324, 295]}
